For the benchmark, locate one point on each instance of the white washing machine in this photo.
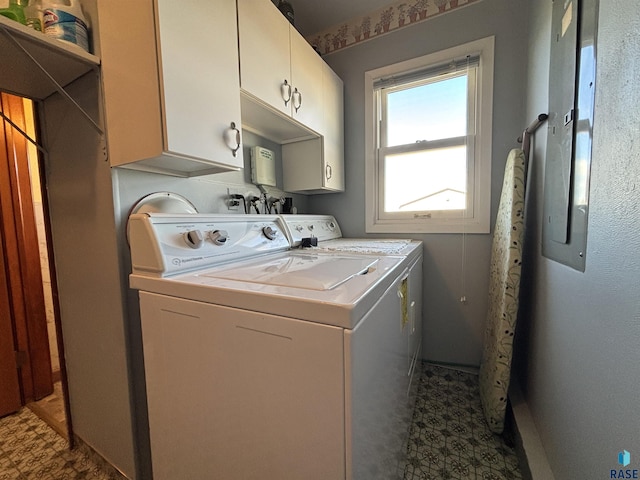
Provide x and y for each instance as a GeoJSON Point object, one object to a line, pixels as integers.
{"type": "Point", "coordinates": [264, 362]}
{"type": "Point", "coordinates": [328, 239]}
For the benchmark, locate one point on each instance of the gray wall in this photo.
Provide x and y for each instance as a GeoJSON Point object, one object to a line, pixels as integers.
{"type": "Point", "coordinates": [86, 255]}
{"type": "Point", "coordinates": [452, 330]}
{"type": "Point", "coordinates": [578, 355]}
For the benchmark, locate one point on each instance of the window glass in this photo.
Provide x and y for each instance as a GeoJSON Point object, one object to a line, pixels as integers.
{"type": "Point", "coordinates": [429, 180]}
{"type": "Point", "coordinates": [434, 110]}
{"type": "Point", "coordinates": [428, 148]}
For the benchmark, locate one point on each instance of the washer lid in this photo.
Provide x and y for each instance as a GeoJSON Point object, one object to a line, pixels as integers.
{"type": "Point", "coordinates": [163, 202]}
{"type": "Point", "coordinates": [312, 272]}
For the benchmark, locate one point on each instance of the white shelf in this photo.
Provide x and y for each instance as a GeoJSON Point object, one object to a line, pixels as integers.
{"type": "Point", "coordinates": [264, 120]}
{"type": "Point", "coordinates": [63, 61]}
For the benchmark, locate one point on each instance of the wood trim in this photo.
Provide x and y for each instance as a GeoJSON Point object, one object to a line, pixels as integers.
{"type": "Point", "coordinates": [10, 397]}
{"type": "Point", "coordinates": [23, 258]}
{"type": "Point", "coordinates": [11, 260]}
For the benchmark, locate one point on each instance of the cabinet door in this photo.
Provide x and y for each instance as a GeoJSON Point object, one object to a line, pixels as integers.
{"type": "Point", "coordinates": [200, 80]}
{"type": "Point", "coordinates": [317, 166]}
{"type": "Point", "coordinates": [264, 53]}
{"type": "Point", "coordinates": [306, 75]}
{"type": "Point", "coordinates": [333, 130]}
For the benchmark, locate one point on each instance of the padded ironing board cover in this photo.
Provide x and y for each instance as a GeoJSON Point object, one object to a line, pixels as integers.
{"type": "Point", "coordinates": [504, 288]}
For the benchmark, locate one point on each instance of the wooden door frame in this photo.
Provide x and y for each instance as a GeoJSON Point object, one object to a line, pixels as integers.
{"type": "Point", "coordinates": [10, 392]}
{"type": "Point", "coordinates": [22, 258]}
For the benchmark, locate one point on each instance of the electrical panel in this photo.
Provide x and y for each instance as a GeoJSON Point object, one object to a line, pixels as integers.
{"type": "Point", "coordinates": [568, 158]}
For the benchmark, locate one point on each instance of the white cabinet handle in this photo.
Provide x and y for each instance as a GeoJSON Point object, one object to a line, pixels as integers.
{"type": "Point", "coordinates": [232, 138]}
{"type": "Point", "coordinates": [328, 172]}
{"type": "Point", "coordinates": [285, 91]}
{"type": "Point", "coordinates": [297, 99]}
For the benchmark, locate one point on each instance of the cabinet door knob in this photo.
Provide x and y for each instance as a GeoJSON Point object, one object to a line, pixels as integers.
{"type": "Point", "coordinates": [328, 172]}
{"type": "Point", "coordinates": [232, 138]}
{"type": "Point", "coordinates": [297, 99]}
{"type": "Point", "coordinates": [285, 90]}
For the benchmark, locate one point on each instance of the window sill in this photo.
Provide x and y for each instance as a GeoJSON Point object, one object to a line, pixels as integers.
{"type": "Point", "coordinates": [428, 226]}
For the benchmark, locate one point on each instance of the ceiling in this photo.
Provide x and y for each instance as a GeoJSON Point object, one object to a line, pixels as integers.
{"type": "Point", "coordinates": [313, 16]}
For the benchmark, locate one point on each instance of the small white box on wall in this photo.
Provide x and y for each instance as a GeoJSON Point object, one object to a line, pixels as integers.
{"type": "Point", "coordinates": [263, 166]}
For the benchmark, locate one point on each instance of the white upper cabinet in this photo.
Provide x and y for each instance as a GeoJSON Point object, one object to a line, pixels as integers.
{"type": "Point", "coordinates": [306, 76]}
{"type": "Point", "coordinates": [277, 66]}
{"type": "Point", "coordinates": [200, 83]}
{"type": "Point", "coordinates": [317, 165]}
{"type": "Point", "coordinates": [333, 130]}
{"type": "Point", "coordinates": [265, 61]}
{"type": "Point", "coordinates": [172, 100]}
{"type": "Point", "coordinates": [291, 96]}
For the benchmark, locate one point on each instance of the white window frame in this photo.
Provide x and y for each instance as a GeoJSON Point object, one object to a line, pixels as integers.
{"type": "Point", "coordinates": [476, 218]}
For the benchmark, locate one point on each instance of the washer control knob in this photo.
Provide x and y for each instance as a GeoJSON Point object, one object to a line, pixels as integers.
{"type": "Point", "coordinates": [219, 237]}
{"type": "Point", "coordinates": [194, 238]}
{"type": "Point", "coordinates": [331, 225]}
{"type": "Point", "coordinates": [270, 233]}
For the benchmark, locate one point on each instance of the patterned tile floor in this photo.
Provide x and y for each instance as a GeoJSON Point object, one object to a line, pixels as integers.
{"type": "Point", "coordinates": [51, 410]}
{"type": "Point", "coordinates": [449, 437]}
{"type": "Point", "coordinates": [30, 449]}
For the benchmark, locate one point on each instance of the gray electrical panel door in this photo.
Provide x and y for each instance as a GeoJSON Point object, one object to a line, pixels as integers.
{"type": "Point", "coordinates": [568, 158]}
{"type": "Point", "coordinates": [562, 81]}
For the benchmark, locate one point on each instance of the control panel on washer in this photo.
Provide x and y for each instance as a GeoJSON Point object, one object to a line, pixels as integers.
{"type": "Point", "coordinates": [165, 244]}
{"type": "Point", "coordinates": [323, 227]}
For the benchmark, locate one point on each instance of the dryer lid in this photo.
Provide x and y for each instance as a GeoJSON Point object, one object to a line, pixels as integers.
{"type": "Point", "coordinates": [312, 272]}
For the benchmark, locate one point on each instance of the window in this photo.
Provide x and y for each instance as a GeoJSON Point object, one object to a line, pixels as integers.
{"type": "Point", "coordinates": [428, 140]}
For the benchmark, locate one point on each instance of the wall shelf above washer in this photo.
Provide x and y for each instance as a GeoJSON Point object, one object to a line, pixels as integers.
{"type": "Point", "coordinates": [22, 49]}
{"type": "Point", "coordinates": [264, 120]}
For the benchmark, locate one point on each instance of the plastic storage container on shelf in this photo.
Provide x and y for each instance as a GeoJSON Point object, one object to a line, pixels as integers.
{"type": "Point", "coordinates": [33, 15]}
{"type": "Point", "coordinates": [14, 10]}
{"type": "Point", "coordinates": [65, 21]}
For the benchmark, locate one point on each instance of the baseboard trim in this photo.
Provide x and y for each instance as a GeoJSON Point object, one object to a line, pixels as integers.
{"type": "Point", "coordinates": [529, 449]}
{"type": "Point", "coordinates": [472, 369]}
